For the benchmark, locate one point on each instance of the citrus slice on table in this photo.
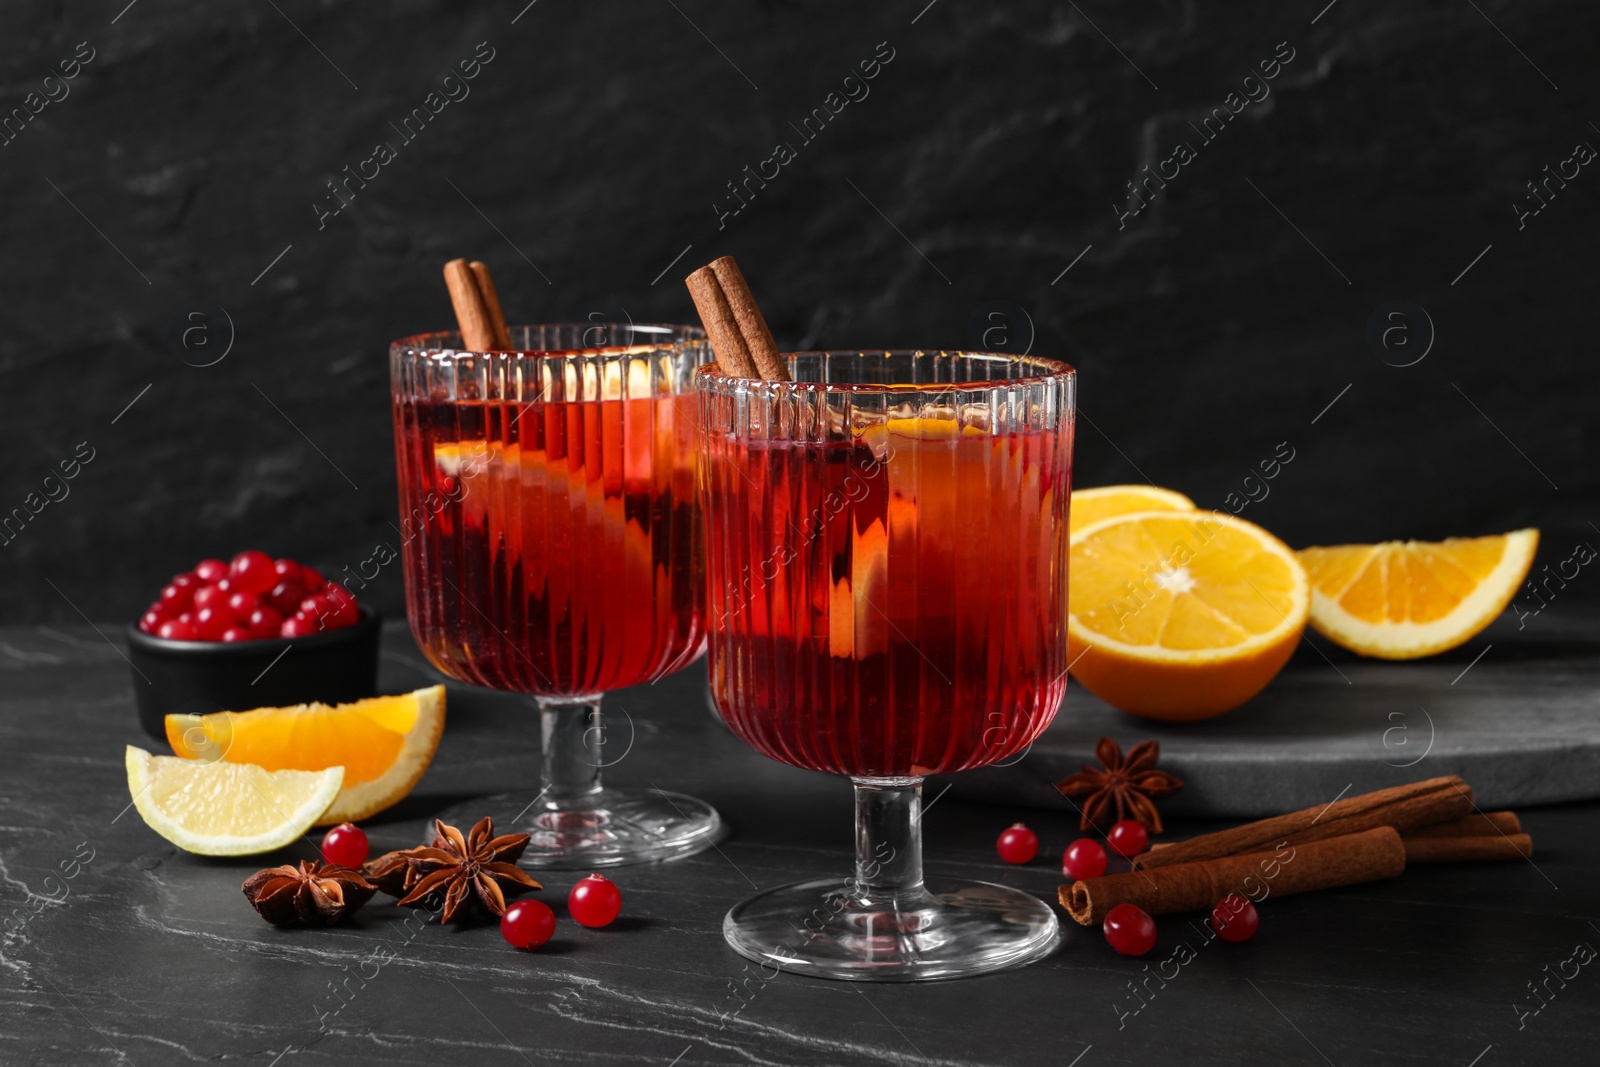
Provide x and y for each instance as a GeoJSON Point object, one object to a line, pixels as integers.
{"type": "Point", "coordinates": [227, 809]}
{"type": "Point", "coordinates": [1090, 506]}
{"type": "Point", "coordinates": [1404, 599]}
{"type": "Point", "coordinates": [1180, 615]}
{"type": "Point", "coordinates": [384, 744]}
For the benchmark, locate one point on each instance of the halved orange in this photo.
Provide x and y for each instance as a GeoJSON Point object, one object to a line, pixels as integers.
{"type": "Point", "coordinates": [384, 744]}
{"type": "Point", "coordinates": [1090, 506]}
{"type": "Point", "coordinates": [1179, 615]}
{"type": "Point", "coordinates": [1404, 599]}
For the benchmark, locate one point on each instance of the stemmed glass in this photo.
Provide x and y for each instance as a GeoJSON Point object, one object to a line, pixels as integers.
{"type": "Point", "coordinates": [552, 546]}
{"type": "Point", "coordinates": [887, 546]}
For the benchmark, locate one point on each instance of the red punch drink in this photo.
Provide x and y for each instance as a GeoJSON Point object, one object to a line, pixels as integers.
{"type": "Point", "coordinates": [886, 544]}
{"type": "Point", "coordinates": [552, 546]}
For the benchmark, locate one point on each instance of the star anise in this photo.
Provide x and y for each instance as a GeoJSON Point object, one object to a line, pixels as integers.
{"type": "Point", "coordinates": [309, 893]}
{"type": "Point", "coordinates": [459, 868]}
{"type": "Point", "coordinates": [390, 872]}
{"type": "Point", "coordinates": [1126, 787]}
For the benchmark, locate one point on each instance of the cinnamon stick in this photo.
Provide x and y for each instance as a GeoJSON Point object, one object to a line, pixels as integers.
{"type": "Point", "coordinates": [739, 335]}
{"type": "Point", "coordinates": [491, 304]}
{"type": "Point", "coordinates": [1464, 849]}
{"type": "Point", "coordinates": [472, 313]}
{"type": "Point", "coordinates": [1478, 824]}
{"type": "Point", "coordinates": [1297, 868]}
{"type": "Point", "coordinates": [1405, 807]}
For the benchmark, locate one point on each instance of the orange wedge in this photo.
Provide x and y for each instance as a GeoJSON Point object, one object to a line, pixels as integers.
{"type": "Point", "coordinates": [384, 744]}
{"type": "Point", "coordinates": [1404, 599]}
{"type": "Point", "coordinates": [1179, 615]}
{"type": "Point", "coordinates": [1090, 506]}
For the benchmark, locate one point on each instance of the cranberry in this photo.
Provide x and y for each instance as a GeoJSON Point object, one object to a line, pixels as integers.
{"type": "Point", "coordinates": [1235, 918]}
{"type": "Point", "coordinates": [241, 604]}
{"type": "Point", "coordinates": [311, 579]}
{"type": "Point", "coordinates": [1130, 930]}
{"type": "Point", "coordinates": [175, 630]}
{"type": "Point", "coordinates": [1128, 838]}
{"type": "Point", "coordinates": [263, 623]}
{"type": "Point", "coordinates": [236, 633]}
{"type": "Point", "coordinates": [287, 570]}
{"type": "Point", "coordinates": [594, 901]}
{"type": "Point", "coordinates": [345, 846]}
{"type": "Point", "coordinates": [209, 596]}
{"type": "Point", "coordinates": [150, 620]}
{"type": "Point", "coordinates": [298, 625]}
{"type": "Point", "coordinates": [187, 580]}
{"type": "Point", "coordinates": [253, 571]}
{"type": "Point", "coordinates": [285, 597]}
{"type": "Point", "coordinates": [177, 597]}
{"type": "Point", "coordinates": [1083, 859]}
{"type": "Point", "coordinates": [528, 923]}
{"type": "Point", "coordinates": [185, 617]}
{"type": "Point", "coordinates": [210, 570]}
{"type": "Point", "coordinates": [1017, 844]}
{"type": "Point", "coordinates": [209, 623]}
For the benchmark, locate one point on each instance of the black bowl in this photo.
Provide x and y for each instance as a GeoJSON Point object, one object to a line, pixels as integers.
{"type": "Point", "coordinates": [197, 677]}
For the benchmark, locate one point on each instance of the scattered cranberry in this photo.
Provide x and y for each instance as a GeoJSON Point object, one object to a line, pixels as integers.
{"type": "Point", "coordinates": [236, 633]}
{"type": "Point", "coordinates": [594, 901]}
{"type": "Point", "coordinates": [264, 623]}
{"type": "Point", "coordinates": [1235, 918]}
{"type": "Point", "coordinates": [528, 923]}
{"type": "Point", "coordinates": [1130, 930]}
{"type": "Point", "coordinates": [345, 846]}
{"type": "Point", "coordinates": [1128, 838]}
{"type": "Point", "coordinates": [254, 571]}
{"type": "Point", "coordinates": [176, 630]}
{"type": "Point", "coordinates": [298, 625]}
{"type": "Point", "coordinates": [1017, 844]}
{"type": "Point", "coordinates": [210, 571]}
{"type": "Point", "coordinates": [1084, 858]}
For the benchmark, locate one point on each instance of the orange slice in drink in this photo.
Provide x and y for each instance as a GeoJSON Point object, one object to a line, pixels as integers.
{"type": "Point", "coordinates": [384, 744]}
{"type": "Point", "coordinates": [1181, 615]}
{"type": "Point", "coordinates": [1090, 506]}
{"type": "Point", "coordinates": [1404, 599]}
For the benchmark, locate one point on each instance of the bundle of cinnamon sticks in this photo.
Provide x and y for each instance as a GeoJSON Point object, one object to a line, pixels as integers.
{"type": "Point", "coordinates": [1354, 839]}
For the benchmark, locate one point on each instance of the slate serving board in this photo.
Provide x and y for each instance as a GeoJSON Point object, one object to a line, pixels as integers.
{"type": "Point", "coordinates": [1515, 712]}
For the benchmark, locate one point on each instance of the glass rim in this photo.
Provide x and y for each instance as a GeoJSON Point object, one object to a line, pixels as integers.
{"type": "Point", "coordinates": [436, 344]}
{"type": "Point", "coordinates": [1054, 370]}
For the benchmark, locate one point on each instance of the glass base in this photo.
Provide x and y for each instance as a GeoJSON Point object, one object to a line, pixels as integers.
{"type": "Point", "coordinates": [604, 829]}
{"type": "Point", "coordinates": [823, 929]}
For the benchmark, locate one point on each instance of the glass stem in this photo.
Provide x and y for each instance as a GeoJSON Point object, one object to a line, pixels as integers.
{"type": "Point", "coordinates": [889, 843]}
{"type": "Point", "coordinates": [573, 738]}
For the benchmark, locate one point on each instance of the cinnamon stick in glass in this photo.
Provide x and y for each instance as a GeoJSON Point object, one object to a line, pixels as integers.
{"type": "Point", "coordinates": [737, 329]}
{"type": "Point", "coordinates": [1404, 807]}
{"type": "Point", "coordinates": [491, 305]}
{"type": "Point", "coordinates": [1276, 872]}
{"type": "Point", "coordinates": [472, 312]}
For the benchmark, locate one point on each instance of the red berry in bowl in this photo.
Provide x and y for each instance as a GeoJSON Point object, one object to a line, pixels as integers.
{"type": "Point", "coordinates": [298, 625]}
{"type": "Point", "coordinates": [241, 604]}
{"type": "Point", "coordinates": [150, 620]}
{"type": "Point", "coordinates": [1235, 918]}
{"type": "Point", "coordinates": [263, 623]}
{"type": "Point", "coordinates": [175, 630]}
{"type": "Point", "coordinates": [594, 901]}
{"type": "Point", "coordinates": [209, 623]}
{"type": "Point", "coordinates": [1017, 844]}
{"type": "Point", "coordinates": [187, 580]}
{"type": "Point", "coordinates": [186, 617]}
{"type": "Point", "coordinates": [1084, 858]}
{"type": "Point", "coordinates": [253, 571]}
{"type": "Point", "coordinates": [1130, 930]}
{"type": "Point", "coordinates": [287, 570]}
{"type": "Point", "coordinates": [285, 597]}
{"type": "Point", "coordinates": [177, 597]}
{"type": "Point", "coordinates": [236, 633]}
{"type": "Point", "coordinates": [528, 923]}
{"type": "Point", "coordinates": [209, 596]}
{"type": "Point", "coordinates": [1128, 838]}
{"type": "Point", "coordinates": [311, 579]}
{"type": "Point", "coordinates": [210, 570]}
{"type": "Point", "coordinates": [345, 846]}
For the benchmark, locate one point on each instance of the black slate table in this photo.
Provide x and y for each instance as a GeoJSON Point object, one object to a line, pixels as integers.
{"type": "Point", "coordinates": [119, 948]}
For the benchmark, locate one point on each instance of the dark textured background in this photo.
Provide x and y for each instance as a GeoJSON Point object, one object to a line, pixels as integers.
{"type": "Point", "coordinates": [592, 149]}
